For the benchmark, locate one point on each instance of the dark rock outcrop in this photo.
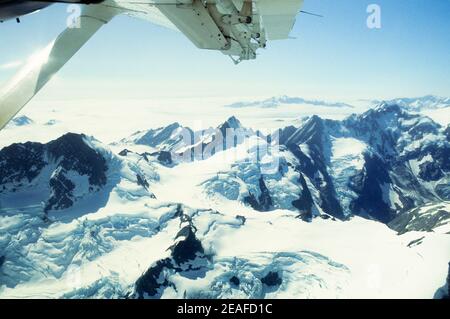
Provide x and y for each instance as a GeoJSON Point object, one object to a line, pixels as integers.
{"type": "Point", "coordinates": [187, 249]}
{"type": "Point", "coordinates": [72, 153]}
{"type": "Point", "coordinates": [21, 164]}
{"type": "Point", "coordinates": [388, 184]}
{"type": "Point", "coordinates": [242, 219]}
{"type": "Point", "coordinates": [368, 185]}
{"type": "Point", "coordinates": [447, 132]}
{"type": "Point", "coordinates": [61, 192]}
{"type": "Point", "coordinates": [124, 152]}
{"type": "Point", "coordinates": [235, 281]}
{"type": "Point", "coordinates": [272, 279]}
{"type": "Point", "coordinates": [187, 255]}
{"type": "Point", "coordinates": [305, 202]}
{"type": "Point", "coordinates": [421, 219]}
{"type": "Point", "coordinates": [264, 202]}
{"type": "Point", "coordinates": [163, 157]}
{"type": "Point", "coordinates": [141, 181]}
{"type": "Point", "coordinates": [315, 136]}
{"type": "Point", "coordinates": [153, 279]}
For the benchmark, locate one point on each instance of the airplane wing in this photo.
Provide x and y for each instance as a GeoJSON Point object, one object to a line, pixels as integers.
{"type": "Point", "coordinates": [278, 17]}
{"type": "Point", "coordinates": [237, 28]}
{"type": "Point", "coordinates": [42, 66]}
{"type": "Point", "coordinates": [146, 10]}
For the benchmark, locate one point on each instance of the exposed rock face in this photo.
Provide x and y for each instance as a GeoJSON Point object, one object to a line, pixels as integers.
{"type": "Point", "coordinates": [310, 144]}
{"type": "Point", "coordinates": [404, 163]}
{"type": "Point", "coordinates": [230, 123]}
{"type": "Point", "coordinates": [65, 165]}
{"type": "Point", "coordinates": [142, 181]}
{"type": "Point", "coordinates": [72, 153]}
{"type": "Point", "coordinates": [447, 132]}
{"type": "Point", "coordinates": [187, 255]}
{"type": "Point", "coordinates": [393, 161]}
{"type": "Point", "coordinates": [264, 202]}
{"type": "Point", "coordinates": [163, 137]}
{"type": "Point", "coordinates": [378, 164]}
{"type": "Point", "coordinates": [235, 281]}
{"type": "Point", "coordinates": [368, 184]}
{"type": "Point", "coordinates": [164, 157]}
{"type": "Point", "coordinates": [188, 248]}
{"type": "Point", "coordinates": [426, 218]}
{"type": "Point", "coordinates": [21, 163]}
{"type": "Point", "coordinates": [305, 203]}
{"type": "Point", "coordinates": [242, 219]}
{"type": "Point", "coordinates": [398, 161]}
{"type": "Point", "coordinates": [208, 142]}
{"type": "Point", "coordinates": [61, 192]}
{"type": "Point", "coordinates": [272, 279]}
{"type": "Point", "coordinates": [124, 152]}
{"type": "Point", "coordinates": [153, 279]}
{"type": "Point", "coordinates": [188, 144]}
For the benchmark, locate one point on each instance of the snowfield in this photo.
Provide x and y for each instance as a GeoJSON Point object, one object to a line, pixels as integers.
{"type": "Point", "coordinates": [103, 254]}
{"type": "Point", "coordinates": [127, 220]}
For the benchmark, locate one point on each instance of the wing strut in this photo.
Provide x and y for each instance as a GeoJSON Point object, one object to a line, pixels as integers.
{"type": "Point", "coordinates": [42, 66]}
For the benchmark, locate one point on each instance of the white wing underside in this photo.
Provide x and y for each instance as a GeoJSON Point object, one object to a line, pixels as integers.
{"type": "Point", "coordinates": [144, 9]}
{"type": "Point", "coordinates": [278, 16]}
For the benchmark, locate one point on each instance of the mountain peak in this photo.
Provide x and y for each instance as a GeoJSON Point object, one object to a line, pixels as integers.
{"type": "Point", "coordinates": [161, 137]}
{"type": "Point", "coordinates": [311, 131]}
{"type": "Point", "coordinates": [419, 103]}
{"type": "Point", "coordinates": [380, 111]}
{"type": "Point", "coordinates": [386, 107]}
{"type": "Point", "coordinates": [280, 100]}
{"type": "Point", "coordinates": [22, 121]}
{"type": "Point", "coordinates": [315, 119]}
{"type": "Point", "coordinates": [66, 168]}
{"type": "Point", "coordinates": [173, 126]}
{"type": "Point", "coordinates": [231, 122]}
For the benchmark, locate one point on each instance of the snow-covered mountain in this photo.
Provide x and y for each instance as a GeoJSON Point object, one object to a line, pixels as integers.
{"type": "Point", "coordinates": [58, 174]}
{"type": "Point", "coordinates": [328, 208]}
{"type": "Point", "coordinates": [186, 144]}
{"type": "Point", "coordinates": [276, 101]}
{"type": "Point", "coordinates": [418, 104]}
{"type": "Point", "coordinates": [429, 217]}
{"type": "Point", "coordinates": [163, 138]}
{"type": "Point", "coordinates": [20, 121]}
{"type": "Point", "coordinates": [377, 164]}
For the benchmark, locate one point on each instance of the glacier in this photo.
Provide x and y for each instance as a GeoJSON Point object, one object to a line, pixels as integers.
{"type": "Point", "coordinates": [352, 208]}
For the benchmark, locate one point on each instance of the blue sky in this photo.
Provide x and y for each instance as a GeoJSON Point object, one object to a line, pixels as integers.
{"type": "Point", "coordinates": [333, 57]}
